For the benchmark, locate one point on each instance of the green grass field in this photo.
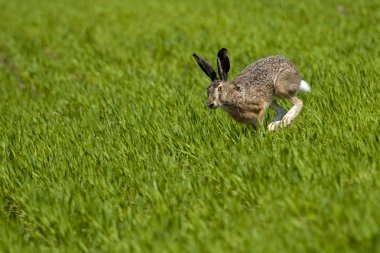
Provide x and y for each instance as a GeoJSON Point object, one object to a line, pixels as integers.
{"type": "Point", "coordinates": [107, 146]}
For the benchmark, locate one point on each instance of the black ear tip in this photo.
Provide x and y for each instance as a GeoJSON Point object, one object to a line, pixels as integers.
{"type": "Point", "coordinates": [195, 56]}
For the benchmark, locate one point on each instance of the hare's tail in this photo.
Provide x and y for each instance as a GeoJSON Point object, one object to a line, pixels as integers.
{"type": "Point", "coordinates": [304, 86]}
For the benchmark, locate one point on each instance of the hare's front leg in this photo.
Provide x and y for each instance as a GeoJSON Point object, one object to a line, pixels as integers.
{"type": "Point", "coordinates": [281, 112]}
{"type": "Point", "coordinates": [260, 117]}
{"type": "Point", "coordinates": [293, 112]}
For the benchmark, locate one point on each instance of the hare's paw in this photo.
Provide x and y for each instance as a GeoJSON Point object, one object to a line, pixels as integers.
{"type": "Point", "coordinates": [288, 119]}
{"type": "Point", "coordinates": [274, 125]}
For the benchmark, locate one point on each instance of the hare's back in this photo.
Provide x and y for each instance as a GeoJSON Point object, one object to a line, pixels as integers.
{"type": "Point", "coordinates": [265, 69]}
{"type": "Point", "coordinates": [265, 72]}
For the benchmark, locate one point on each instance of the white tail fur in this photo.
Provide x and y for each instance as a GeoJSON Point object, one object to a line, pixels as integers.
{"type": "Point", "coordinates": [304, 86]}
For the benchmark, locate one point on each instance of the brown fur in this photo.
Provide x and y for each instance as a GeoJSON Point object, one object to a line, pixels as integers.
{"type": "Point", "coordinates": [248, 96]}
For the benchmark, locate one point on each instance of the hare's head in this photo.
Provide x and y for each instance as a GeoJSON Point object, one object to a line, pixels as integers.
{"type": "Point", "coordinates": [218, 89]}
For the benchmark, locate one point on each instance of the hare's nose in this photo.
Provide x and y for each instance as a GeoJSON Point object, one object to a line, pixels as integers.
{"type": "Point", "coordinates": [210, 105]}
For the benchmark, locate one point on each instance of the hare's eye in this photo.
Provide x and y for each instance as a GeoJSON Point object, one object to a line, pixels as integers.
{"type": "Point", "coordinates": [219, 88]}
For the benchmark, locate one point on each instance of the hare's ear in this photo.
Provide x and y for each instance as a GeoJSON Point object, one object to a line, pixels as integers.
{"type": "Point", "coordinates": [206, 67]}
{"type": "Point", "coordinates": [223, 64]}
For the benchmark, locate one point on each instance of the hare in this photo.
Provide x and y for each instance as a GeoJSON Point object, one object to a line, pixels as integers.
{"type": "Point", "coordinates": [255, 89]}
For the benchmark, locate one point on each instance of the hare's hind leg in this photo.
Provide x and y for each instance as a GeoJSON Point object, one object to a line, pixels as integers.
{"type": "Point", "coordinates": [293, 112]}
{"type": "Point", "coordinates": [281, 112]}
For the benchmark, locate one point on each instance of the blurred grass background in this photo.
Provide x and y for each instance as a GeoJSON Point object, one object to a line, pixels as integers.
{"type": "Point", "coordinates": [106, 144]}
